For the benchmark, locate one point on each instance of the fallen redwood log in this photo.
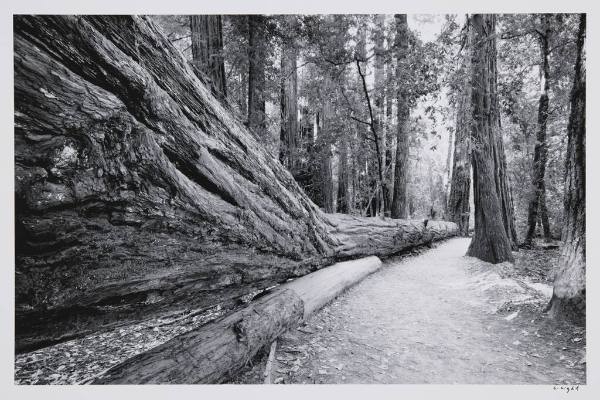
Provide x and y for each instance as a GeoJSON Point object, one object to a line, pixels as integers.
{"type": "Point", "coordinates": [215, 351]}
{"type": "Point", "coordinates": [137, 192]}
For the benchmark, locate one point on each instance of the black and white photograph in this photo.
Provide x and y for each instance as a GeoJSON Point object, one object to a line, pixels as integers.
{"type": "Point", "coordinates": [292, 199]}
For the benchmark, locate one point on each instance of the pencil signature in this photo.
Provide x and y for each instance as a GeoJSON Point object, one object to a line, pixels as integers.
{"type": "Point", "coordinates": [567, 388]}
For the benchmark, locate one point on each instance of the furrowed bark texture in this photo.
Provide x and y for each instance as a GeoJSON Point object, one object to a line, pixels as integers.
{"type": "Point", "coordinates": [378, 99]}
{"type": "Point", "coordinates": [214, 352]}
{"type": "Point", "coordinates": [501, 176]}
{"type": "Point", "coordinates": [138, 192]}
{"type": "Point", "coordinates": [459, 209]}
{"type": "Point", "coordinates": [345, 201]}
{"type": "Point", "coordinates": [289, 107]}
{"type": "Point", "coordinates": [537, 201]}
{"type": "Point", "coordinates": [207, 49]}
{"type": "Point", "coordinates": [490, 241]}
{"type": "Point", "coordinates": [569, 300]}
{"type": "Point", "coordinates": [399, 202]}
{"type": "Point", "coordinates": [257, 53]}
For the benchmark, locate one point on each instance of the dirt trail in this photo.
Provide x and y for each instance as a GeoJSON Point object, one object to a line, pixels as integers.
{"type": "Point", "coordinates": [439, 318]}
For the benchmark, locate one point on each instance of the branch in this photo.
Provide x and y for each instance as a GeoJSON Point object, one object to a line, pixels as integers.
{"type": "Point", "coordinates": [179, 38]}
{"type": "Point", "coordinates": [561, 45]}
{"type": "Point", "coordinates": [359, 120]}
{"type": "Point", "coordinates": [514, 35]}
{"type": "Point", "coordinates": [364, 84]}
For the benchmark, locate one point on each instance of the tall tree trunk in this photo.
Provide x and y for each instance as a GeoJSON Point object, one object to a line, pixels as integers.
{"type": "Point", "coordinates": [257, 54]}
{"type": "Point", "coordinates": [449, 156]}
{"type": "Point", "coordinates": [379, 97]}
{"type": "Point", "coordinates": [327, 184]}
{"type": "Point", "coordinates": [402, 141]}
{"type": "Point", "coordinates": [459, 209]}
{"type": "Point", "coordinates": [568, 299]}
{"type": "Point", "coordinates": [490, 242]}
{"type": "Point", "coordinates": [540, 154]}
{"type": "Point", "coordinates": [502, 182]}
{"type": "Point", "coordinates": [344, 198]}
{"type": "Point", "coordinates": [503, 188]}
{"type": "Point", "coordinates": [207, 49]}
{"type": "Point", "coordinates": [289, 107]}
{"type": "Point", "coordinates": [545, 221]}
{"type": "Point", "coordinates": [327, 180]}
{"type": "Point", "coordinates": [390, 93]}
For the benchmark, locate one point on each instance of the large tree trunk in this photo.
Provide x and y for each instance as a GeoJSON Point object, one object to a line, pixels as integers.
{"type": "Point", "coordinates": [503, 189]}
{"type": "Point", "coordinates": [390, 94]}
{"type": "Point", "coordinates": [138, 192]}
{"type": "Point", "coordinates": [459, 209]}
{"type": "Point", "coordinates": [289, 107]}
{"type": "Point", "coordinates": [379, 97]}
{"type": "Point", "coordinates": [501, 177]}
{"type": "Point", "coordinates": [540, 154]}
{"type": "Point", "coordinates": [326, 171]}
{"type": "Point", "coordinates": [207, 48]}
{"type": "Point", "coordinates": [490, 241]}
{"type": "Point", "coordinates": [214, 352]}
{"type": "Point", "coordinates": [545, 221]}
{"type": "Point", "coordinates": [327, 185]}
{"type": "Point", "coordinates": [399, 202]}
{"type": "Point", "coordinates": [244, 93]}
{"type": "Point", "coordinates": [568, 299]}
{"type": "Point", "coordinates": [257, 54]}
{"type": "Point", "coordinates": [344, 197]}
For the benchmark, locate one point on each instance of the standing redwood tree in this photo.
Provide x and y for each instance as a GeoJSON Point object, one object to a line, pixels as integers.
{"type": "Point", "coordinates": [289, 102]}
{"type": "Point", "coordinates": [257, 54]}
{"type": "Point", "coordinates": [537, 201]}
{"type": "Point", "coordinates": [568, 299]}
{"type": "Point", "coordinates": [459, 209]}
{"type": "Point", "coordinates": [207, 48]}
{"type": "Point", "coordinates": [490, 242]}
{"type": "Point", "coordinates": [325, 130]}
{"type": "Point", "coordinates": [379, 81]}
{"type": "Point", "coordinates": [402, 143]}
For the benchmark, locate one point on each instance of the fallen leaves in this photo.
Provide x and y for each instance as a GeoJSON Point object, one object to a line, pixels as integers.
{"type": "Point", "coordinates": [80, 361]}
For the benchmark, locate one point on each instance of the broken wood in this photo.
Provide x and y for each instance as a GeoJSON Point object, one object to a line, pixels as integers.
{"type": "Point", "coordinates": [270, 363]}
{"type": "Point", "coordinates": [320, 287]}
{"type": "Point", "coordinates": [138, 193]}
{"type": "Point", "coordinates": [214, 352]}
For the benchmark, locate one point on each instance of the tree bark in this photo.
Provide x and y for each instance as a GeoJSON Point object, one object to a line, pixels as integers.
{"type": "Point", "coordinates": [390, 94]}
{"type": "Point", "coordinates": [545, 221]}
{"type": "Point", "coordinates": [326, 156]}
{"type": "Point", "coordinates": [459, 209]}
{"type": "Point", "coordinates": [540, 154]}
{"type": "Point", "coordinates": [568, 299]}
{"type": "Point", "coordinates": [138, 193]}
{"type": "Point", "coordinates": [207, 49]}
{"type": "Point", "coordinates": [344, 197]}
{"type": "Point", "coordinates": [257, 54]}
{"type": "Point", "coordinates": [501, 177]}
{"type": "Point", "coordinates": [214, 352]}
{"type": "Point", "coordinates": [378, 100]}
{"type": "Point", "coordinates": [490, 241]}
{"type": "Point", "coordinates": [327, 187]}
{"type": "Point", "coordinates": [399, 202]}
{"type": "Point", "coordinates": [289, 107]}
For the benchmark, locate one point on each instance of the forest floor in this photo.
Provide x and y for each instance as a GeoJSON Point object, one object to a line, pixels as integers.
{"type": "Point", "coordinates": [439, 317]}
